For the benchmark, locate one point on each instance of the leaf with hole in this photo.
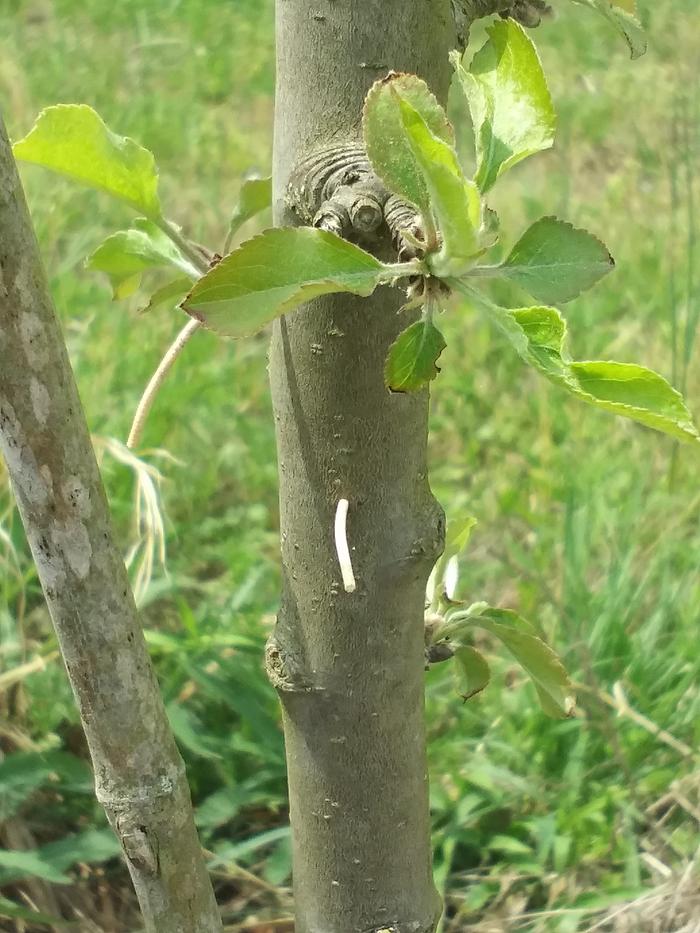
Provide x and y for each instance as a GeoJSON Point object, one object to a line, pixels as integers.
{"type": "Point", "coordinates": [473, 673]}
{"type": "Point", "coordinates": [454, 201]}
{"type": "Point", "coordinates": [511, 108]}
{"type": "Point", "coordinates": [411, 361]}
{"type": "Point", "coordinates": [126, 255]}
{"type": "Point", "coordinates": [276, 272]}
{"type": "Point", "coordinates": [555, 261]}
{"type": "Point", "coordinates": [626, 389]}
{"type": "Point", "coordinates": [388, 147]}
{"type": "Point", "coordinates": [73, 140]}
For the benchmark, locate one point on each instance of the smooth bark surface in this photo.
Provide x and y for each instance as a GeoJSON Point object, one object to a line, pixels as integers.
{"type": "Point", "coordinates": [139, 774]}
{"type": "Point", "coordinates": [349, 667]}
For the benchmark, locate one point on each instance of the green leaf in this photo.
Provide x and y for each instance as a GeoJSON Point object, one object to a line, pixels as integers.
{"type": "Point", "coordinates": [509, 101]}
{"type": "Point", "coordinates": [92, 846]}
{"type": "Point", "coordinates": [472, 670]}
{"type": "Point", "coordinates": [411, 362]}
{"type": "Point", "coordinates": [52, 859]}
{"type": "Point", "coordinates": [20, 775]}
{"type": "Point", "coordinates": [173, 292]}
{"type": "Point", "coordinates": [622, 15]}
{"type": "Point", "coordinates": [239, 851]}
{"type": "Point", "coordinates": [73, 140]}
{"type": "Point", "coordinates": [388, 147]}
{"type": "Point", "coordinates": [255, 196]}
{"type": "Point", "coordinates": [276, 272]}
{"type": "Point", "coordinates": [188, 731]}
{"type": "Point", "coordinates": [639, 393]}
{"type": "Point", "coordinates": [509, 845]}
{"type": "Point", "coordinates": [554, 261]}
{"type": "Point", "coordinates": [458, 535]}
{"type": "Point", "coordinates": [125, 255]}
{"type": "Point", "coordinates": [490, 232]}
{"type": "Point", "coordinates": [219, 808]}
{"type": "Point", "coordinates": [537, 659]}
{"type": "Point", "coordinates": [454, 201]}
{"type": "Point", "coordinates": [621, 388]}
{"type": "Point", "coordinates": [17, 864]}
{"type": "Point", "coordinates": [15, 911]}
{"type": "Point", "coordinates": [278, 865]}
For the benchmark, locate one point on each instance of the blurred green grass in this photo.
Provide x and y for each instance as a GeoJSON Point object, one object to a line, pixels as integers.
{"type": "Point", "coordinates": [586, 524]}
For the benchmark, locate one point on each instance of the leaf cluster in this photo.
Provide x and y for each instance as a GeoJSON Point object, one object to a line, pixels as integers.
{"type": "Point", "coordinates": [410, 143]}
{"type": "Point", "coordinates": [411, 146]}
{"type": "Point", "coordinates": [450, 626]}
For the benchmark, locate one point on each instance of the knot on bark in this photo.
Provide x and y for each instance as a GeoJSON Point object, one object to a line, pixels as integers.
{"type": "Point", "coordinates": [283, 673]}
{"type": "Point", "coordinates": [336, 189]}
{"type": "Point", "coordinates": [137, 845]}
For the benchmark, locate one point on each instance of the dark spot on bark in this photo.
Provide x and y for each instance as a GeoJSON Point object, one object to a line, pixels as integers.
{"type": "Point", "coordinates": [441, 526]}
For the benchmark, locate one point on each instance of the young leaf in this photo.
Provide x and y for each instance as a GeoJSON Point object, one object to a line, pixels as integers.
{"type": "Point", "coordinates": [472, 671]}
{"type": "Point", "coordinates": [73, 140]}
{"type": "Point", "coordinates": [411, 362]}
{"type": "Point", "coordinates": [173, 292]}
{"type": "Point", "coordinates": [537, 659]}
{"type": "Point", "coordinates": [621, 388]}
{"type": "Point", "coordinates": [623, 15]}
{"type": "Point", "coordinates": [276, 272]}
{"type": "Point", "coordinates": [636, 392]}
{"type": "Point", "coordinates": [554, 261]}
{"type": "Point", "coordinates": [457, 537]}
{"type": "Point", "coordinates": [455, 202]}
{"type": "Point", "coordinates": [125, 255]}
{"type": "Point", "coordinates": [509, 101]}
{"type": "Point", "coordinates": [255, 196]}
{"type": "Point", "coordinates": [490, 232]}
{"type": "Point", "coordinates": [387, 145]}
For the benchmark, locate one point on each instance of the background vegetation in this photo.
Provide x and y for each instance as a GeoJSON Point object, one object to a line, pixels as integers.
{"type": "Point", "coordinates": [587, 524]}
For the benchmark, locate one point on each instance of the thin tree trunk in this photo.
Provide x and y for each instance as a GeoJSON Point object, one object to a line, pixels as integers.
{"type": "Point", "coordinates": [349, 667]}
{"type": "Point", "coordinates": [139, 774]}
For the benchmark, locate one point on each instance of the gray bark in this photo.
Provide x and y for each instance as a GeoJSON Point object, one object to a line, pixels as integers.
{"type": "Point", "coordinates": [139, 774]}
{"type": "Point", "coordinates": [349, 666]}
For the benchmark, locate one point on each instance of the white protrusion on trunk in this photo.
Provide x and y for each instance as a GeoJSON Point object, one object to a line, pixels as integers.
{"type": "Point", "coordinates": [341, 546]}
{"type": "Point", "coordinates": [451, 578]}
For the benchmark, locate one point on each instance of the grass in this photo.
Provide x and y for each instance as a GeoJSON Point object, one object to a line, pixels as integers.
{"type": "Point", "coordinates": [587, 525]}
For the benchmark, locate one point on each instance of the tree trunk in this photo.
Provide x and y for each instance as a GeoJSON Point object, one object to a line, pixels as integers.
{"type": "Point", "coordinates": [349, 667]}
{"type": "Point", "coordinates": [139, 774]}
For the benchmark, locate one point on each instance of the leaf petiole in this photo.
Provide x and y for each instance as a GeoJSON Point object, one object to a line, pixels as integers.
{"type": "Point", "coordinates": [183, 244]}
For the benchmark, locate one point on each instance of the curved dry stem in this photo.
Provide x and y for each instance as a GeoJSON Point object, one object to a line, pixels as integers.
{"type": "Point", "coordinates": [156, 381]}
